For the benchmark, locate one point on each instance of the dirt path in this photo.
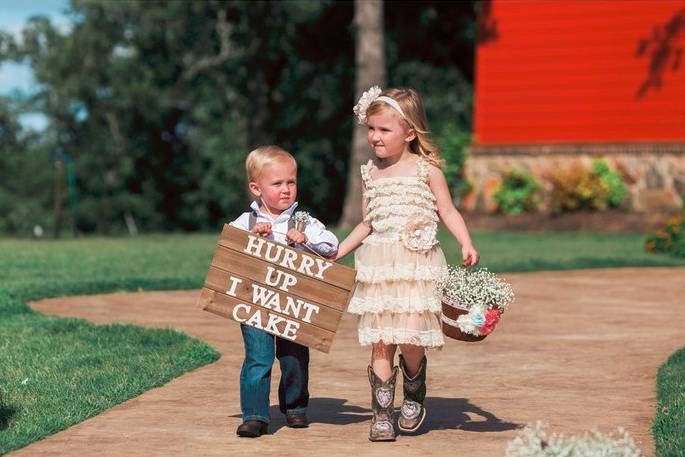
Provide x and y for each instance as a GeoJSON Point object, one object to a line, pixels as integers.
{"type": "Point", "coordinates": [578, 349]}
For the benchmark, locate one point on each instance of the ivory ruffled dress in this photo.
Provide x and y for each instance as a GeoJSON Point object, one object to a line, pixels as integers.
{"type": "Point", "coordinates": [397, 263]}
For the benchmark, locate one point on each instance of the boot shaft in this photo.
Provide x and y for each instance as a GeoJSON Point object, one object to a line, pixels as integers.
{"type": "Point", "coordinates": [382, 404]}
{"type": "Point", "coordinates": [414, 387]}
{"type": "Point", "coordinates": [382, 394]}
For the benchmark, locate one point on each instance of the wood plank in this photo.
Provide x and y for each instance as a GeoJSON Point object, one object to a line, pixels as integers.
{"type": "Point", "coordinates": [224, 306]}
{"type": "Point", "coordinates": [322, 316]}
{"type": "Point", "coordinates": [256, 269]}
{"type": "Point", "coordinates": [337, 274]}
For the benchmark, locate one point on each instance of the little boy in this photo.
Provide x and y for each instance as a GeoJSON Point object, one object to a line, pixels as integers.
{"type": "Point", "coordinates": [272, 179]}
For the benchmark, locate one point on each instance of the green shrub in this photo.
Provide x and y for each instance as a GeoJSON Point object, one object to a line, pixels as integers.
{"type": "Point", "coordinates": [668, 426]}
{"type": "Point", "coordinates": [518, 193]}
{"type": "Point", "coordinates": [579, 187]}
{"type": "Point", "coordinates": [618, 191]}
{"type": "Point", "coordinates": [453, 143]}
{"type": "Point", "coordinates": [670, 239]}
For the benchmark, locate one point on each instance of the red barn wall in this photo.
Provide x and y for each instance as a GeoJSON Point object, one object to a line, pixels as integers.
{"type": "Point", "coordinates": [581, 72]}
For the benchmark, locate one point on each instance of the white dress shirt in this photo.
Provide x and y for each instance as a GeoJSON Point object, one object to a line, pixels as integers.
{"type": "Point", "coordinates": [320, 240]}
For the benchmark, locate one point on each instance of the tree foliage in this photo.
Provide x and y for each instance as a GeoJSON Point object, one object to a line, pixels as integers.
{"type": "Point", "coordinates": [158, 102]}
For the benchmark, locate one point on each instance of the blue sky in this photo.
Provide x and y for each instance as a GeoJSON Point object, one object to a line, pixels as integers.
{"type": "Point", "coordinates": [13, 15]}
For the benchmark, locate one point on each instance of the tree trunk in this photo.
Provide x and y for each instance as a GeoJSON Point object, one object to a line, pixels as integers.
{"type": "Point", "coordinates": [370, 63]}
{"type": "Point", "coordinates": [258, 89]}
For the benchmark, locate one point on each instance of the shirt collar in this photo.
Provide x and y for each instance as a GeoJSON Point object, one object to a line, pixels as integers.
{"type": "Point", "coordinates": [287, 213]}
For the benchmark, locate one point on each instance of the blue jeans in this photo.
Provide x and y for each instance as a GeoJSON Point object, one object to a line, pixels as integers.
{"type": "Point", "coordinates": [255, 376]}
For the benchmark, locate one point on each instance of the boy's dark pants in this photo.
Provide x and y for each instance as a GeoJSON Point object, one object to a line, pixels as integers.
{"type": "Point", "coordinates": [255, 376]}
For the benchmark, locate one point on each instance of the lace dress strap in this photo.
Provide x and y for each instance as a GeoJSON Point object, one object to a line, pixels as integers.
{"type": "Point", "coordinates": [423, 169]}
{"type": "Point", "coordinates": [366, 175]}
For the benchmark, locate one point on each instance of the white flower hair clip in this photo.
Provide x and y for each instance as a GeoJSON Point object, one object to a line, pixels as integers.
{"type": "Point", "coordinates": [364, 102]}
{"type": "Point", "coordinates": [370, 96]}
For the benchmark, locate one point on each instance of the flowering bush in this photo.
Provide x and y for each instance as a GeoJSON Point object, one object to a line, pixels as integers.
{"type": "Point", "coordinates": [579, 187]}
{"type": "Point", "coordinates": [670, 239]}
{"type": "Point", "coordinates": [533, 441]}
{"type": "Point", "coordinates": [478, 291]}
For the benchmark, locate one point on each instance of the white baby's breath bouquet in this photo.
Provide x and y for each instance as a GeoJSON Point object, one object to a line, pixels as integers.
{"type": "Point", "coordinates": [466, 287]}
{"type": "Point", "coordinates": [534, 441]}
{"type": "Point", "coordinates": [482, 294]}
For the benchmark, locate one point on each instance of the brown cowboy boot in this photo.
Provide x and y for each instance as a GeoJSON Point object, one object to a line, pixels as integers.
{"type": "Point", "coordinates": [382, 399]}
{"type": "Point", "coordinates": [412, 412]}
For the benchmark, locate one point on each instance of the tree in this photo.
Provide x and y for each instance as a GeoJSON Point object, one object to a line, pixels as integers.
{"type": "Point", "coordinates": [158, 103]}
{"type": "Point", "coordinates": [370, 66]}
{"type": "Point", "coordinates": [168, 100]}
{"type": "Point", "coordinates": [25, 173]}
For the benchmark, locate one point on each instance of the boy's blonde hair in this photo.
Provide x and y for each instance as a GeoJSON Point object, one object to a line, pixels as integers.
{"type": "Point", "coordinates": [414, 117]}
{"type": "Point", "coordinates": [265, 155]}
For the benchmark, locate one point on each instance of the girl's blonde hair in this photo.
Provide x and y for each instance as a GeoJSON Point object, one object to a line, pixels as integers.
{"type": "Point", "coordinates": [415, 117]}
{"type": "Point", "coordinates": [263, 156]}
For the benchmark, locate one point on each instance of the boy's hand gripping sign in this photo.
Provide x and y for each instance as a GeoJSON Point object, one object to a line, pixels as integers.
{"type": "Point", "coordinates": [272, 287]}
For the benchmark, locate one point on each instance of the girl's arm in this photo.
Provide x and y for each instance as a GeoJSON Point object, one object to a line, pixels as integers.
{"type": "Point", "coordinates": [353, 240]}
{"type": "Point", "coordinates": [450, 216]}
{"type": "Point", "coordinates": [356, 236]}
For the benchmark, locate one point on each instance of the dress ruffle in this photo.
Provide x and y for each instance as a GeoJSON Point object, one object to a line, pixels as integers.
{"type": "Point", "coordinates": [394, 215]}
{"type": "Point", "coordinates": [410, 189]}
{"type": "Point", "coordinates": [397, 297]}
{"type": "Point", "coordinates": [421, 329]}
{"type": "Point", "coordinates": [394, 262]}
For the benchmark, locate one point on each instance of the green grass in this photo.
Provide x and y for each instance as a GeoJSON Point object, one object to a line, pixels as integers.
{"type": "Point", "coordinates": [516, 251]}
{"type": "Point", "coordinates": [519, 251]}
{"type": "Point", "coordinates": [56, 372]}
{"type": "Point", "coordinates": [669, 424]}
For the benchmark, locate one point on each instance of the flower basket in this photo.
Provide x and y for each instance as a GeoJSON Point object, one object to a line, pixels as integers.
{"type": "Point", "coordinates": [450, 314]}
{"type": "Point", "coordinates": [473, 301]}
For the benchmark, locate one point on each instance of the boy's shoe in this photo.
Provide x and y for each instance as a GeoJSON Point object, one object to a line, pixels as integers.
{"type": "Point", "coordinates": [252, 429]}
{"type": "Point", "coordinates": [297, 420]}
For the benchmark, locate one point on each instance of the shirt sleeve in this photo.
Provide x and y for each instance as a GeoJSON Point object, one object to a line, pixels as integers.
{"type": "Point", "coordinates": [320, 240]}
{"type": "Point", "coordinates": [242, 222]}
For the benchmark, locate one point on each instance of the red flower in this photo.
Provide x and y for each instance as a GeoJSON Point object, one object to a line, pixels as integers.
{"type": "Point", "coordinates": [491, 319]}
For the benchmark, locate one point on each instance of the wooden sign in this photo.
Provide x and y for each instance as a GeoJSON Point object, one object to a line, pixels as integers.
{"type": "Point", "coordinates": [270, 286]}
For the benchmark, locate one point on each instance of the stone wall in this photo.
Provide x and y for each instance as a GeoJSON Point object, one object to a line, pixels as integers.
{"type": "Point", "coordinates": [654, 173]}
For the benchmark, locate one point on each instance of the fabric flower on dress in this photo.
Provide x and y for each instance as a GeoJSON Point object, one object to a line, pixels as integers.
{"type": "Point", "coordinates": [419, 234]}
{"type": "Point", "coordinates": [364, 102]}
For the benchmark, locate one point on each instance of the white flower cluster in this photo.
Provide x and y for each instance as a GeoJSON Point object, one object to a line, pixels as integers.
{"type": "Point", "coordinates": [534, 441]}
{"type": "Point", "coordinates": [472, 321]}
{"type": "Point", "coordinates": [466, 287]}
{"type": "Point", "coordinates": [364, 102]}
{"type": "Point", "coordinates": [301, 219]}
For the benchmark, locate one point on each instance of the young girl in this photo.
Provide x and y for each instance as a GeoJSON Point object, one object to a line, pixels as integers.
{"type": "Point", "coordinates": [400, 257]}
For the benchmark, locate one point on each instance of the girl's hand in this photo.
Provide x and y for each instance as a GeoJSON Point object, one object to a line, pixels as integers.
{"type": "Point", "coordinates": [295, 236]}
{"type": "Point", "coordinates": [469, 256]}
{"type": "Point", "coordinates": [262, 228]}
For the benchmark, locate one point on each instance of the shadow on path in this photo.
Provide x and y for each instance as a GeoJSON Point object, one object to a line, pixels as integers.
{"type": "Point", "coordinates": [443, 414]}
{"type": "Point", "coordinates": [458, 413]}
